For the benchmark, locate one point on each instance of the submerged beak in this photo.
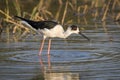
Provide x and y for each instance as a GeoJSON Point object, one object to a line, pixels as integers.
{"type": "Point", "coordinates": [84, 36]}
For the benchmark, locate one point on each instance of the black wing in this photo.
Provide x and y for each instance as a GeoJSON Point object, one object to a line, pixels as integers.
{"type": "Point", "coordinates": [39, 24]}
{"type": "Point", "coordinates": [45, 24]}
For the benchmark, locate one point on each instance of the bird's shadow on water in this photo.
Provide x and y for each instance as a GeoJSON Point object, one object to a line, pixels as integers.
{"type": "Point", "coordinates": [41, 75]}
{"type": "Point", "coordinates": [48, 72]}
{"type": "Point", "coordinates": [42, 63]}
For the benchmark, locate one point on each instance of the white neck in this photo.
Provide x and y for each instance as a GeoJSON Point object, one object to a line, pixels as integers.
{"type": "Point", "coordinates": [66, 33]}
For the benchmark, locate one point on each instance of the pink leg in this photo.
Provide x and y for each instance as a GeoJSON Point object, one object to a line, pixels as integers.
{"type": "Point", "coordinates": [41, 63]}
{"type": "Point", "coordinates": [49, 45]}
{"type": "Point", "coordinates": [49, 62]}
{"type": "Point", "coordinates": [41, 48]}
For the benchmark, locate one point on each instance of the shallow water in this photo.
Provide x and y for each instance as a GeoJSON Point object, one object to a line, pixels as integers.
{"type": "Point", "coordinates": [71, 59]}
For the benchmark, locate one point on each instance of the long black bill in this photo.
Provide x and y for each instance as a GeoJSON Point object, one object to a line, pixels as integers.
{"type": "Point", "coordinates": [84, 36]}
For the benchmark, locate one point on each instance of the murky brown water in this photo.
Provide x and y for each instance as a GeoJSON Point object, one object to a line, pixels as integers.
{"type": "Point", "coordinates": [76, 59]}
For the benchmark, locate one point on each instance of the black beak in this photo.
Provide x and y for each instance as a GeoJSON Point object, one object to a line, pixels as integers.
{"type": "Point", "coordinates": [84, 36]}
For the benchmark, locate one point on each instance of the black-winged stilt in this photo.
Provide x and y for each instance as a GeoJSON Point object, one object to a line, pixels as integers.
{"type": "Point", "coordinates": [51, 29]}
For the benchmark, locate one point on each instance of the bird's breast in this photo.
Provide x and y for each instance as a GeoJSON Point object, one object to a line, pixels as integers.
{"type": "Point", "coordinates": [57, 31]}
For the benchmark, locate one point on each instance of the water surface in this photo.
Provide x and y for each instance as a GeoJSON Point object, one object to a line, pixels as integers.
{"type": "Point", "coordinates": [72, 59]}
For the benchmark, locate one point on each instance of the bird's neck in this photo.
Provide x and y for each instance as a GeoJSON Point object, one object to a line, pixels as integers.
{"type": "Point", "coordinates": [67, 33]}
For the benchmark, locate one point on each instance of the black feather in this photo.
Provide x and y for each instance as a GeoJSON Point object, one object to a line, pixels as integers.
{"type": "Point", "coordinates": [39, 24]}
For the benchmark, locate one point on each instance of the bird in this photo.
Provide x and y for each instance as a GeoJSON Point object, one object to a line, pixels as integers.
{"type": "Point", "coordinates": [50, 29]}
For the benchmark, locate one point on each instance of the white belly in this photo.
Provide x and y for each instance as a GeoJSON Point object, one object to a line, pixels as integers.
{"type": "Point", "coordinates": [57, 31]}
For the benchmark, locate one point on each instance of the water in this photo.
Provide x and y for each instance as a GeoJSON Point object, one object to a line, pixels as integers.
{"type": "Point", "coordinates": [71, 59]}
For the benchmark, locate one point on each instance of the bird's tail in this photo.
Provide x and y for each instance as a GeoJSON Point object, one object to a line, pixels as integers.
{"type": "Point", "coordinates": [22, 18]}
{"type": "Point", "coordinates": [26, 22]}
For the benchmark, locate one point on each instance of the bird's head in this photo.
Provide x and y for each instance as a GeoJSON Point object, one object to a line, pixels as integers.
{"type": "Point", "coordinates": [75, 29]}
